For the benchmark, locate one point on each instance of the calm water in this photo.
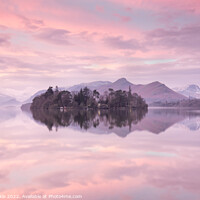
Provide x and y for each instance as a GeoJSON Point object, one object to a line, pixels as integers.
{"type": "Point", "coordinates": [101, 155]}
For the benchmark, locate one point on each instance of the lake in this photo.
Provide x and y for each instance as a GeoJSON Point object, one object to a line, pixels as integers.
{"type": "Point", "coordinates": [101, 155]}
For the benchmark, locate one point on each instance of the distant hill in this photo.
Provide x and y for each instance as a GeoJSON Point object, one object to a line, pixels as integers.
{"type": "Point", "coordinates": [26, 107]}
{"type": "Point", "coordinates": [92, 85]}
{"type": "Point", "coordinates": [157, 91]}
{"type": "Point", "coordinates": [120, 84]}
{"type": "Point", "coordinates": [29, 100]}
{"type": "Point", "coordinates": [6, 100]}
{"type": "Point", "coordinates": [189, 91]}
{"type": "Point", "coordinates": [152, 92]}
{"type": "Point", "coordinates": [186, 103]}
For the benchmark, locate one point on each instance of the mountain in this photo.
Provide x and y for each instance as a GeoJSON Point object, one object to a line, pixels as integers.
{"type": "Point", "coordinates": [152, 92]}
{"type": "Point", "coordinates": [189, 91]}
{"type": "Point", "coordinates": [157, 92]}
{"type": "Point", "coordinates": [6, 100]}
{"type": "Point", "coordinates": [29, 100]}
{"type": "Point", "coordinates": [120, 84]}
{"type": "Point", "coordinates": [92, 85]}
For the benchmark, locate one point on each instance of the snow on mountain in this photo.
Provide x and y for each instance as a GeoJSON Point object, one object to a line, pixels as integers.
{"type": "Point", "coordinates": [192, 91]}
{"type": "Point", "coordinates": [92, 85]}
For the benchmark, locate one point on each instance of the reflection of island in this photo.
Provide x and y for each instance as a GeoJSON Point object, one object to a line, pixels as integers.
{"type": "Point", "coordinates": [120, 122]}
{"type": "Point", "coordinates": [91, 119]}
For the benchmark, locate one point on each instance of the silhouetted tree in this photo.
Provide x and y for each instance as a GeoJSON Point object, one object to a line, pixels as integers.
{"type": "Point", "coordinates": [85, 98]}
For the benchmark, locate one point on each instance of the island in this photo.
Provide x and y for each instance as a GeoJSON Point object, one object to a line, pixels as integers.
{"type": "Point", "coordinates": [88, 99]}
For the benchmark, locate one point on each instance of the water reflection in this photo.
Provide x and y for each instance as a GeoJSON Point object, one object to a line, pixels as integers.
{"type": "Point", "coordinates": [120, 122]}
{"type": "Point", "coordinates": [141, 166]}
{"type": "Point", "coordinates": [103, 120]}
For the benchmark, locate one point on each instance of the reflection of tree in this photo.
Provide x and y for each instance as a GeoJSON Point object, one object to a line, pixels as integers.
{"type": "Point", "coordinates": [52, 118]}
{"type": "Point", "coordinates": [122, 118]}
{"type": "Point", "coordinates": [86, 119]}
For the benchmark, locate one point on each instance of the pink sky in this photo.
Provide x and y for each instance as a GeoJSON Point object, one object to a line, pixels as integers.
{"type": "Point", "coordinates": [65, 42]}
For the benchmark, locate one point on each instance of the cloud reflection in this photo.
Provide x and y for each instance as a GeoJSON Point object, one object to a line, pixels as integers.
{"type": "Point", "coordinates": [36, 161]}
{"type": "Point", "coordinates": [120, 122]}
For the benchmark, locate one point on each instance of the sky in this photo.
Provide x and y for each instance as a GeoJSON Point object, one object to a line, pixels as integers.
{"type": "Point", "coordinates": [65, 42]}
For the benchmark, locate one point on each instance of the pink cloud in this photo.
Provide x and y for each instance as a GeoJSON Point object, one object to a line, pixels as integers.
{"type": "Point", "coordinates": [4, 39]}
{"type": "Point", "coordinates": [120, 43]}
{"type": "Point", "coordinates": [11, 14]}
{"type": "Point", "coordinates": [31, 23]}
{"type": "Point", "coordinates": [54, 180]}
{"type": "Point", "coordinates": [123, 18]}
{"type": "Point", "coordinates": [184, 39]}
{"type": "Point", "coordinates": [186, 5]}
{"type": "Point", "coordinates": [94, 37]}
{"type": "Point", "coordinates": [55, 36]}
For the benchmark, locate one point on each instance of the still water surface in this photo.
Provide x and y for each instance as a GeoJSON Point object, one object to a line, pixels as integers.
{"type": "Point", "coordinates": [101, 155]}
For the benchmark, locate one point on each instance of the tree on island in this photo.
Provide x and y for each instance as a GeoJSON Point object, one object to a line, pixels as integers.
{"type": "Point", "coordinates": [86, 98]}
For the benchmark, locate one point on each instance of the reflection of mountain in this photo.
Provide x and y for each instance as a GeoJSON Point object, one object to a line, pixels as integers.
{"type": "Point", "coordinates": [120, 122]}
{"type": "Point", "coordinates": [158, 120]}
{"type": "Point", "coordinates": [192, 124]}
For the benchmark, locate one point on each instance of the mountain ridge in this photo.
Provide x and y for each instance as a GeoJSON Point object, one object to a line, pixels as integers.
{"type": "Point", "coordinates": [191, 91]}
{"type": "Point", "coordinates": [152, 92]}
{"type": "Point", "coordinates": [6, 100]}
